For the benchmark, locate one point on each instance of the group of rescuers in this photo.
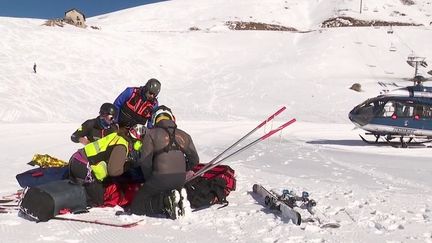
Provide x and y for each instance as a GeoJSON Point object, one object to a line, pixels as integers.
{"type": "Point", "coordinates": [136, 133]}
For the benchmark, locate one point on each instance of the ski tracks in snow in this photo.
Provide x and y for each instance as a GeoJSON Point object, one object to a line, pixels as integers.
{"type": "Point", "coordinates": [365, 192]}
{"type": "Point", "coordinates": [368, 195]}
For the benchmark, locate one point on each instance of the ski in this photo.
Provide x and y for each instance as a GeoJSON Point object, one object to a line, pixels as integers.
{"type": "Point", "coordinates": [271, 117]}
{"type": "Point", "coordinates": [11, 199]}
{"type": "Point", "coordinates": [304, 202]}
{"type": "Point", "coordinates": [9, 206]}
{"type": "Point", "coordinates": [12, 209]}
{"type": "Point", "coordinates": [3, 201]}
{"type": "Point", "coordinates": [292, 200]}
{"type": "Point", "coordinates": [16, 196]}
{"type": "Point", "coordinates": [271, 201]}
{"type": "Point", "coordinates": [100, 222]}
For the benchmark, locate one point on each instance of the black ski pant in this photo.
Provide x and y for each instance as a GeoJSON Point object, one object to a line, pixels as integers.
{"type": "Point", "coordinates": [79, 173]}
{"type": "Point", "coordinates": [150, 197]}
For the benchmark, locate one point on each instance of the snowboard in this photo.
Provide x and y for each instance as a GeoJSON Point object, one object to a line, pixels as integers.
{"type": "Point", "coordinates": [272, 202]}
{"type": "Point", "coordinates": [99, 216]}
{"type": "Point", "coordinates": [103, 216]}
{"type": "Point", "coordinates": [112, 223]}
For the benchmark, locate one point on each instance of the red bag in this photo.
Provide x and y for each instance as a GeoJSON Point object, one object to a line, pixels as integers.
{"type": "Point", "coordinates": [220, 171]}
{"type": "Point", "coordinates": [121, 195]}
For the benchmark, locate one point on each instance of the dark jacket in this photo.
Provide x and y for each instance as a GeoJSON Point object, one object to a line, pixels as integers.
{"type": "Point", "coordinates": [134, 108]}
{"type": "Point", "coordinates": [158, 158]}
{"type": "Point", "coordinates": [93, 130]}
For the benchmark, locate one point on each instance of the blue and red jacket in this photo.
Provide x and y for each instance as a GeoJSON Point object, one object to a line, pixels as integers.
{"type": "Point", "coordinates": [134, 108]}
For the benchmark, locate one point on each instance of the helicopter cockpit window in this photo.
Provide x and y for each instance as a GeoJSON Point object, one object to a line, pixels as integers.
{"type": "Point", "coordinates": [372, 106]}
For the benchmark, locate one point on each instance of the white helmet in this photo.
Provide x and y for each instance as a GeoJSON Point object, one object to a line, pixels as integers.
{"type": "Point", "coordinates": [162, 113]}
{"type": "Point", "coordinates": [138, 131]}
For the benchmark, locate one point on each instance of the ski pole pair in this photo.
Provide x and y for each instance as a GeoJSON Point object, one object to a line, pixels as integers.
{"type": "Point", "coordinates": [214, 162]}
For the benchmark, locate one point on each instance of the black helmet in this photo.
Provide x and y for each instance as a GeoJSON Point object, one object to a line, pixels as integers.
{"type": "Point", "coordinates": [108, 109]}
{"type": "Point", "coordinates": [162, 113]}
{"type": "Point", "coordinates": [153, 86]}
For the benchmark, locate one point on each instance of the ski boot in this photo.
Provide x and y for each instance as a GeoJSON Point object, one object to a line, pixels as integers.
{"type": "Point", "coordinates": [171, 204]}
{"type": "Point", "coordinates": [184, 204]}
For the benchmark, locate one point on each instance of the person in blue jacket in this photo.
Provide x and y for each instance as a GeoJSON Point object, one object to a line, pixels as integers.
{"type": "Point", "coordinates": [137, 104]}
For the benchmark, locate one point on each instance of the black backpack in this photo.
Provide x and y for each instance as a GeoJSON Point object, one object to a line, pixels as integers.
{"type": "Point", "coordinates": [205, 192]}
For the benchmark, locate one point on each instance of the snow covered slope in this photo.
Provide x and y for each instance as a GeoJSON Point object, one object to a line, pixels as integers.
{"type": "Point", "coordinates": [201, 71]}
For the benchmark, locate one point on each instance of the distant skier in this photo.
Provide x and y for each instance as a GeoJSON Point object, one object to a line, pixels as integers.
{"type": "Point", "coordinates": [136, 104]}
{"type": "Point", "coordinates": [96, 128]}
{"type": "Point", "coordinates": [167, 156]}
{"type": "Point", "coordinates": [34, 67]}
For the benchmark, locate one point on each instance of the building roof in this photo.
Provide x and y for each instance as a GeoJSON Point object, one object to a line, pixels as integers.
{"type": "Point", "coordinates": [77, 11]}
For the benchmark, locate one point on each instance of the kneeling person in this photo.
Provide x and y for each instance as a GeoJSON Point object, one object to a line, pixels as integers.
{"type": "Point", "coordinates": [105, 157]}
{"type": "Point", "coordinates": [166, 156]}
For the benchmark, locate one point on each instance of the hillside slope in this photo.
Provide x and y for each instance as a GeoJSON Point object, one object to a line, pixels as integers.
{"type": "Point", "coordinates": [78, 69]}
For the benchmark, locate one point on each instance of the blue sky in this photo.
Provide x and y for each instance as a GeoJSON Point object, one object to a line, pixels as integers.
{"type": "Point", "coordinates": [46, 9]}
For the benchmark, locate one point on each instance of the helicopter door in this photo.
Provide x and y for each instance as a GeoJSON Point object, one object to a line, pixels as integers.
{"type": "Point", "coordinates": [409, 114]}
{"type": "Point", "coordinates": [405, 111]}
{"type": "Point", "coordinates": [387, 116]}
{"type": "Point", "coordinates": [422, 116]}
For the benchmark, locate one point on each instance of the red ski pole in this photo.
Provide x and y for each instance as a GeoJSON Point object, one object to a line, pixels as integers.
{"type": "Point", "coordinates": [271, 117]}
{"type": "Point", "coordinates": [264, 137]}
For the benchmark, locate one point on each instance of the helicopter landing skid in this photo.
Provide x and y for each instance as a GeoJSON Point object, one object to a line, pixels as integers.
{"type": "Point", "coordinates": [386, 139]}
{"type": "Point", "coordinates": [401, 144]}
{"type": "Point", "coordinates": [405, 144]}
{"type": "Point", "coordinates": [371, 142]}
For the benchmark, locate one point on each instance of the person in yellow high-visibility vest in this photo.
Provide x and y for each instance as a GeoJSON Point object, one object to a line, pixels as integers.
{"type": "Point", "coordinates": [105, 157]}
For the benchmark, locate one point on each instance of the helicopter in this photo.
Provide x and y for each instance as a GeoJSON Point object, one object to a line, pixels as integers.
{"type": "Point", "coordinates": [403, 114]}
